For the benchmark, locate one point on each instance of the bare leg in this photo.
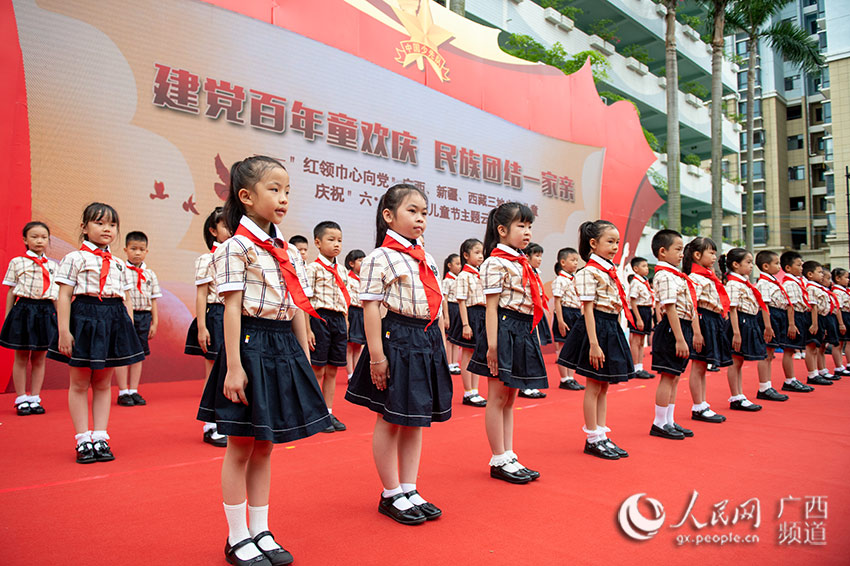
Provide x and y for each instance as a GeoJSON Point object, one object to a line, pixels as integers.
{"type": "Point", "coordinates": [733, 374]}
{"type": "Point", "coordinates": [19, 372]}
{"type": "Point", "coordinates": [811, 357]}
{"type": "Point", "coordinates": [765, 367]}
{"type": "Point", "coordinates": [37, 365]}
{"type": "Point", "coordinates": [385, 448]}
{"type": "Point", "coordinates": [508, 418]}
{"type": "Point", "coordinates": [329, 385]}
{"type": "Point", "coordinates": [636, 347]}
{"type": "Point", "coordinates": [591, 403]}
{"type": "Point", "coordinates": [234, 469]}
{"type": "Point", "coordinates": [409, 453]}
{"type": "Point", "coordinates": [494, 415]}
{"type": "Point", "coordinates": [666, 384]}
{"type": "Point", "coordinates": [465, 374]}
{"type": "Point", "coordinates": [353, 354]}
{"type": "Point", "coordinates": [135, 371]}
{"type": "Point", "coordinates": [101, 385]}
{"type": "Point", "coordinates": [788, 363]}
{"type": "Point", "coordinates": [122, 377]}
{"type": "Point", "coordinates": [258, 473]}
{"type": "Point", "coordinates": [697, 381]}
{"type": "Point", "coordinates": [78, 400]}
{"type": "Point", "coordinates": [602, 405]}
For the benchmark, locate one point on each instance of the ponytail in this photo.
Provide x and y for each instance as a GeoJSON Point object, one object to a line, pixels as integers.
{"type": "Point", "coordinates": [391, 200]}
{"type": "Point", "coordinates": [504, 215]}
{"type": "Point", "coordinates": [591, 231]}
{"type": "Point", "coordinates": [244, 175]}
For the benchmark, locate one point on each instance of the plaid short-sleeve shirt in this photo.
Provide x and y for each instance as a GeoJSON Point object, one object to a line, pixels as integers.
{"type": "Point", "coordinates": [205, 275]}
{"type": "Point", "coordinates": [794, 287]}
{"type": "Point", "coordinates": [326, 293]}
{"type": "Point", "coordinates": [819, 297]}
{"type": "Point", "coordinates": [450, 287]}
{"type": "Point", "coordinates": [143, 300]}
{"type": "Point", "coordinates": [741, 297]}
{"type": "Point", "coordinates": [771, 293]}
{"type": "Point", "coordinates": [392, 277]}
{"type": "Point", "coordinates": [25, 276]}
{"type": "Point", "coordinates": [843, 295]}
{"type": "Point", "coordinates": [469, 288]}
{"type": "Point", "coordinates": [504, 277]}
{"type": "Point", "coordinates": [81, 270]}
{"type": "Point", "coordinates": [353, 282]}
{"type": "Point", "coordinates": [639, 289]}
{"type": "Point", "coordinates": [707, 295]}
{"type": "Point", "coordinates": [596, 286]}
{"type": "Point", "coordinates": [564, 290]}
{"type": "Point", "coordinates": [241, 266]}
{"type": "Point", "coordinates": [672, 289]}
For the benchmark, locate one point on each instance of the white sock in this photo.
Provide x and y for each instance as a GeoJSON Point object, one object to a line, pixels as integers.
{"type": "Point", "coordinates": [123, 392]}
{"type": "Point", "coordinates": [638, 367]}
{"type": "Point", "coordinates": [765, 386]}
{"type": "Point", "coordinates": [505, 462]}
{"type": "Point", "coordinates": [670, 418]}
{"type": "Point", "coordinates": [415, 499]}
{"type": "Point", "coordinates": [83, 437]}
{"type": "Point", "coordinates": [209, 426]}
{"type": "Point", "coordinates": [21, 399]}
{"type": "Point", "coordinates": [132, 391]}
{"type": "Point", "coordinates": [34, 400]}
{"type": "Point", "coordinates": [790, 380]}
{"type": "Point", "coordinates": [258, 522]}
{"type": "Point", "coordinates": [402, 503]}
{"type": "Point", "coordinates": [839, 368]}
{"type": "Point", "coordinates": [474, 392]}
{"type": "Point", "coordinates": [237, 526]}
{"type": "Point", "coordinates": [594, 435]}
{"type": "Point", "coordinates": [99, 435]}
{"type": "Point", "coordinates": [660, 416]}
{"type": "Point", "coordinates": [468, 394]}
{"type": "Point", "coordinates": [704, 406]}
{"type": "Point", "coordinates": [813, 373]}
{"type": "Point", "coordinates": [823, 372]}
{"type": "Point", "coordinates": [565, 379]}
{"type": "Point", "coordinates": [745, 402]}
{"type": "Point", "coordinates": [330, 411]}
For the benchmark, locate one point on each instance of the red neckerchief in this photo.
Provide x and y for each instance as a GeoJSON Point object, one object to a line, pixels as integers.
{"type": "Point", "coordinates": [840, 288]}
{"type": "Point", "coordinates": [648, 287]}
{"type": "Point", "coordinates": [718, 284]}
{"type": "Point", "coordinates": [354, 276]}
{"type": "Point", "coordinates": [290, 277]}
{"type": "Point", "coordinates": [426, 275]}
{"type": "Point", "coordinates": [45, 274]}
{"type": "Point", "coordinates": [214, 247]}
{"type": "Point", "coordinates": [450, 275]}
{"type": "Point", "coordinates": [803, 287]}
{"type": "Point", "coordinates": [543, 294]}
{"type": "Point", "coordinates": [833, 300]}
{"type": "Point", "coordinates": [565, 275]}
{"type": "Point", "coordinates": [692, 291]}
{"type": "Point", "coordinates": [612, 273]}
{"type": "Point", "coordinates": [765, 277]}
{"type": "Point", "coordinates": [751, 287]}
{"type": "Point", "coordinates": [140, 272]}
{"type": "Point", "coordinates": [469, 269]}
{"type": "Point", "coordinates": [106, 258]}
{"type": "Point", "coordinates": [528, 278]}
{"type": "Point", "coordinates": [339, 282]}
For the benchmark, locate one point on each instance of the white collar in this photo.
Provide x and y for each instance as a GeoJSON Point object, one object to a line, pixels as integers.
{"type": "Point", "coordinates": [602, 261]}
{"type": "Point", "coordinates": [93, 247]}
{"type": "Point", "coordinates": [329, 262]}
{"type": "Point", "coordinates": [667, 265]}
{"type": "Point", "coordinates": [736, 277]}
{"type": "Point", "coordinates": [508, 249]}
{"type": "Point", "coordinates": [33, 254]}
{"type": "Point", "coordinates": [769, 276]}
{"type": "Point", "coordinates": [563, 273]}
{"type": "Point", "coordinates": [842, 287]}
{"type": "Point", "coordinates": [450, 275]}
{"type": "Point", "coordinates": [142, 267]}
{"type": "Point", "coordinates": [640, 277]}
{"type": "Point", "coordinates": [258, 232]}
{"type": "Point", "coordinates": [399, 238]}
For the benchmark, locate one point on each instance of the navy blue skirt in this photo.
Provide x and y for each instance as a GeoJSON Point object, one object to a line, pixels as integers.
{"type": "Point", "coordinates": [752, 337]}
{"type": "Point", "coordinates": [419, 388]}
{"type": "Point", "coordinates": [455, 323]}
{"type": "Point", "coordinates": [830, 323]}
{"type": "Point", "coordinates": [648, 318]}
{"type": "Point", "coordinates": [575, 354]}
{"type": "Point", "coordinates": [717, 350]}
{"type": "Point", "coordinates": [284, 399]}
{"type": "Point", "coordinates": [845, 316]}
{"type": "Point", "coordinates": [215, 326]}
{"type": "Point", "coordinates": [356, 327]}
{"type": "Point", "coordinates": [476, 315]}
{"type": "Point", "coordinates": [664, 358]}
{"type": "Point", "coordinates": [104, 335]}
{"type": "Point", "coordinates": [31, 325]}
{"type": "Point", "coordinates": [570, 315]}
{"type": "Point", "coordinates": [521, 363]}
{"type": "Point", "coordinates": [142, 323]}
{"type": "Point", "coordinates": [543, 332]}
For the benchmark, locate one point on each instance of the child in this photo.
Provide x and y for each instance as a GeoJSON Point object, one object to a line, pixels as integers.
{"type": "Point", "coordinates": [261, 390]}
{"type": "Point", "coordinates": [451, 314]}
{"type": "Point", "coordinates": [144, 291]}
{"type": "Point", "coordinates": [328, 336]}
{"type": "Point", "coordinates": [816, 336]}
{"type": "Point", "coordinates": [795, 285]}
{"type": "Point", "coordinates": [403, 375]}
{"type": "Point", "coordinates": [29, 325]}
{"type": "Point", "coordinates": [301, 244]}
{"type": "Point", "coordinates": [835, 325]}
{"type": "Point", "coordinates": [508, 351]}
{"type": "Point", "coordinates": [712, 307]}
{"type": "Point", "coordinates": [782, 319]}
{"type": "Point", "coordinates": [641, 301]}
{"type": "Point", "coordinates": [748, 338]}
{"type": "Point", "coordinates": [534, 252]}
{"type": "Point", "coordinates": [206, 333]}
{"type": "Point", "coordinates": [677, 335]}
{"type": "Point", "coordinates": [471, 307]}
{"type": "Point", "coordinates": [96, 331]}
{"type": "Point", "coordinates": [567, 309]}
{"type": "Point", "coordinates": [841, 278]}
{"type": "Point", "coordinates": [356, 332]}
{"type": "Point", "coordinates": [596, 347]}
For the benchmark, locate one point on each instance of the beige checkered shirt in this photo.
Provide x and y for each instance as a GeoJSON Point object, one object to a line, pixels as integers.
{"type": "Point", "coordinates": [354, 290]}
{"type": "Point", "coordinates": [741, 297]}
{"type": "Point", "coordinates": [81, 270]}
{"type": "Point", "coordinates": [771, 294]}
{"type": "Point", "coordinates": [326, 293]}
{"type": "Point", "coordinates": [639, 289]}
{"type": "Point", "coordinates": [240, 266]}
{"type": "Point", "coordinates": [469, 288]}
{"type": "Point", "coordinates": [393, 278]}
{"type": "Point", "coordinates": [450, 287]}
{"type": "Point", "coordinates": [504, 277]}
{"type": "Point", "coordinates": [802, 302]}
{"type": "Point", "coordinates": [25, 276]}
{"type": "Point", "coordinates": [670, 288]}
{"type": "Point", "coordinates": [205, 273]}
{"type": "Point", "coordinates": [150, 288]}
{"type": "Point", "coordinates": [818, 296]}
{"type": "Point", "coordinates": [597, 287]}
{"type": "Point", "coordinates": [564, 290]}
{"type": "Point", "coordinates": [707, 296]}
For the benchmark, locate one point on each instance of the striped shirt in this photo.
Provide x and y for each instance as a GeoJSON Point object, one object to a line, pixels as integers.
{"type": "Point", "coordinates": [504, 277]}
{"type": "Point", "coordinates": [639, 289]}
{"type": "Point", "coordinates": [671, 289]}
{"type": "Point", "coordinates": [802, 301]}
{"type": "Point", "coordinates": [771, 293]}
{"type": "Point", "coordinates": [205, 275]}
{"type": "Point", "coordinates": [143, 301]}
{"type": "Point", "coordinates": [468, 288]}
{"type": "Point", "coordinates": [240, 266]}
{"type": "Point", "coordinates": [81, 270]}
{"type": "Point", "coordinates": [707, 295]}
{"type": "Point", "coordinates": [26, 278]}
{"type": "Point", "coordinates": [596, 286]}
{"type": "Point", "coordinates": [564, 289]}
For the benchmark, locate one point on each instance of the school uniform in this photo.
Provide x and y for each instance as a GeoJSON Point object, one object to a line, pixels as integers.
{"type": "Point", "coordinates": [798, 294]}
{"type": "Point", "coordinates": [329, 296]}
{"type": "Point", "coordinates": [716, 349]}
{"type": "Point", "coordinates": [566, 299]}
{"type": "Point", "coordinates": [597, 286]}
{"type": "Point", "coordinates": [103, 333]}
{"type": "Point", "coordinates": [284, 399]}
{"type": "Point", "coordinates": [832, 335]}
{"type": "Point", "coordinates": [821, 305]}
{"type": "Point", "coordinates": [144, 289]}
{"type": "Point", "coordinates": [419, 388]}
{"type": "Point", "coordinates": [356, 327]}
{"type": "Point", "coordinates": [214, 312]}
{"type": "Point", "coordinates": [672, 289]}
{"type": "Point", "coordinates": [544, 334]}
{"type": "Point", "coordinates": [469, 289]}
{"type": "Point", "coordinates": [31, 323]}
{"type": "Point", "coordinates": [777, 300]}
{"type": "Point", "coordinates": [752, 334]}
{"type": "Point", "coordinates": [520, 359]}
{"type": "Point", "coordinates": [843, 296]}
{"type": "Point", "coordinates": [641, 290]}
{"type": "Point", "coordinates": [449, 286]}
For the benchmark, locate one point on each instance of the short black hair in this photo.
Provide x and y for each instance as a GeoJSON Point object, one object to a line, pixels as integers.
{"type": "Point", "coordinates": [323, 227]}
{"type": "Point", "coordinates": [135, 236]}
{"type": "Point", "coordinates": [664, 239]}
{"type": "Point", "coordinates": [533, 248]}
{"type": "Point", "coordinates": [765, 257]}
{"type": "Point", "coordinates": [810, 267]}
{"type": "Point", "coordinates": [787, 258]}
{"type": "Point", "coordinates": [353, 256]}
{"type": "Point", "coordinates": [298, 239]}
{"type": "Point", "coordinates": [637, 260]}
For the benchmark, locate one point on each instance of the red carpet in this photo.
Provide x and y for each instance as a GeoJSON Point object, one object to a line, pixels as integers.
{"type": "Point", "coordinates": [160, 503]}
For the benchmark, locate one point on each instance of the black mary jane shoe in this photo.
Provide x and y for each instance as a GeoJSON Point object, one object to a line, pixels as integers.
{"type": "Point", "coordinates": [667, 431]}
{"type": "Point", "coordinates": [499, 473]}
{"type": "Point", "coordinates": [832, 376]}
{"type": "Point", "coordinates": [609, 444]}
{"type": "Point", "coordinates": [712, 368]}
{"type": "Point", "coordinates": [102, 451]}
{"type": "Point", "coordinates": [36, 409]}
{"type": "Point", "coordinates": [600, 450]}
{"type": "Point", "coordinates": [412, 516]}
{"type": "Point", "coordinates": [686, 431]}
{"type": "Point", "coordinates": [771, 394]}
{"type": "Point", "coordinates": [818, 380]}
{"type": "Point", "coordinates": [533, 474]}
{"type": "Point", "coordinates": [126, 400]}
{"type": "Point", "coordinates": [277, 556]}
{"type": "Point", "coordinates": [230, 554]}
{"type": "Point", "coordinates": [475, 401]}
{"type": "Point", "coordinates": [571, 385]}
{"type": "Point", "coordinates": [738, 405]}
{"type": "Point", "coordinates": [85, 453]}
{"type": "Point", "coordinates": [23, 409]}
{"type": "Point", "coordinates": [220, 442]}
{"type": "Point", "coordinates": [138, 400]}
{"type": "Point", "coordinates": [337, 424]}
{"type": "Point", "coordinates": [428, 509]}
{"type": "Point", "coordinates": [701, 416]}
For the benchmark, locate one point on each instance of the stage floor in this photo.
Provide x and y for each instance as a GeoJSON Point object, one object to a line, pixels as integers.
{"type": "Point", "coordinates": [159, 502]}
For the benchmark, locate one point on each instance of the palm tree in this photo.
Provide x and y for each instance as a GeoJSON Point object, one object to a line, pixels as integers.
{"type": "Point", "coordinates": [790, 41]}
{"type": "Point", "coordinates": [674, 199]}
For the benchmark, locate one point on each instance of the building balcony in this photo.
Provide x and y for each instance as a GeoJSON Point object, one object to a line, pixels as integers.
{"type": "Point", "coordinates": [695, 188]}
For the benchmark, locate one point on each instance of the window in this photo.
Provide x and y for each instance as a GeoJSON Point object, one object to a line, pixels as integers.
{"type": "Point", "coordinates": [824, 77]}
{"type": "Point", "coordinates": [819, 114]}
{"type": "Point", "coordinates": [742, 81]}
{"type": "Point", "coordinates": [792, 82]}
{"type": "Point", "coordinates": [810, 23]}
{"type": "Point", "coordinates": [827, 112]}
{"type": "Point", "coordinates": [830, 185]}
{"type": "Point", "coordinates": [727, 233]}
{"type": "Point", "coordinates": [741, 48]}
{"type": "Point", "coordinates": [794, 112]}
{"type": "Point", "coordinates": [817, 175]}
{"type": "Point", "coordinates": [822, 43]}
{"type": "Point", "coordinates": [798, 238]}
{"type": "Point", "coordinates": [798, 203]}
{"type": "Point", "coordinates": [760, 234]}
{"type": "Point", "coordinates": [758, 202]}
{"type": "Point", "coordinates": [758, 170]}
{"type": "Point", "coordinates": [797, 173]}
{"type": "Point", "coordinates": [795, 142]}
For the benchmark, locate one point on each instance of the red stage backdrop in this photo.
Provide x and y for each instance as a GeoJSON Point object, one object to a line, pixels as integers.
{"type": "Point", "coordinates": [146, 105]}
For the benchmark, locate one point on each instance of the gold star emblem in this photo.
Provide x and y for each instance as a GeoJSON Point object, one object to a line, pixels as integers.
{"type": "Point", "coordinates": [425, 37]}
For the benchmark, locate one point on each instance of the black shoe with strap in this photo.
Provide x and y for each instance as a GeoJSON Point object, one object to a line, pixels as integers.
{"type": "Point", "coordinates": [230, 554]}
{"type": "Point", "coordinates": [102, 451]}
{"type": "Point", "coordinates": [23, 409]}
{"type": "Point", "coordinates": [428, 509]}
{"type": "Point", "coordinates": [500, 473]}
{"type": "Point", "coordinates": [85, 453]}
{"type": "Point", "coordinates": [138, 399]}
{"type": "Point", "coordinates": [600, 450]}
{"type": "Point", "coordinates": [614, 448]}
{"type": "Point", "coordinates": [337, 424]}
{"type": "Point", "coordinates": [126, 400]}
{"type": "Point", "coordinates": [818, 380]}
{"type": "Point", "coordinates": [533, 474]}
{"type": "Point", "coordinates": [277, 556]}
{"type": "Point", "coordinates": [412, 516]}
